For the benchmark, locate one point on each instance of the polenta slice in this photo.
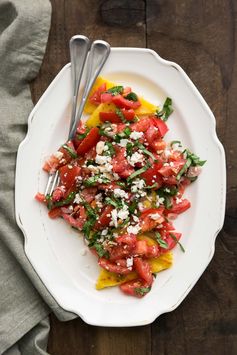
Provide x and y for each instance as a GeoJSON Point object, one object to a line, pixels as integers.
{"type": "Point", "coordinates": [146, 107]}
{"type": "Point", "coordinates": [110, 279]}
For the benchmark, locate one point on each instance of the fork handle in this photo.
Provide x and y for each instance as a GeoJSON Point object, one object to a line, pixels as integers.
{"type": "Point", "coordinates": [96, 59]}
{"type": "Point", "coordinates": [79, 47]}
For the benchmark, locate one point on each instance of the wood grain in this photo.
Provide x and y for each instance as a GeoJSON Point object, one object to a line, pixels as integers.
{"type": "Point", "coordinates": [201, 36]}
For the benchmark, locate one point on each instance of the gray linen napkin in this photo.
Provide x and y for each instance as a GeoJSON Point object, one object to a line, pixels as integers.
{"type": "Point", "coordinates": [24, 300]}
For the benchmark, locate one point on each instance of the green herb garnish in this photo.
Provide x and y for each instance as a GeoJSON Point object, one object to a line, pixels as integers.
{"type": "Point", "coordinates": [129, 148]}
{"type": "Point", "coordinates": [133, 206]}
{"type": "Point", "coordinates": [166, 110]}
{"type": "Point", "coordinates": [139, 172]}
{"type": "Point", "coordinates": [70, 151]}
{"type": "Point", "coordinates": [83, 135]}
{"type": "Point", "coordinates": [66, 201]}
{"type": "Point", "coordinates": [92, 181]}
{"type": "Point", "coordinates": [115, 90]}
{"type": "Point", "coordinates": [142, 290]}
{"type": "Point", "coordinates": [100, 250]}
{"type": "Point", "coordinates": [113, 202]}
{"type": "Point", "coordinates": [145, 151]}
{"type": "Point", "coordinates": [184, 169]}
{"type": "Point", "coordinates": [111, 151]}
{"type": "Point", "coordinates": [178, 242]}
{"type": "Point", "coordinates": [176, 142]}
{"type": "Point", "coordinates": [131, 96]}
{"type": "Point", "coordinates": [160, 241]}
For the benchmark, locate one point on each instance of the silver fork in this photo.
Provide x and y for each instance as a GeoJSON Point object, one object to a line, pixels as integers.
{"type": "Point", "coordinates": [99, 52]}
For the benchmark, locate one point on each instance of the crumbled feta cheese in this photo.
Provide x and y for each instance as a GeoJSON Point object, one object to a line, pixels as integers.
{"type": "Point", "coordinates": [137, 184]}
{"type": "Point", "coordinates": [129, 262]}
{"type": "Point", "coordinates": [120, 193]}
{"type": "Point", "coordinates": [136, 158]}
{"type": "Point", "coordinates": [123, 213]}
{"type": "Point", "coordinates": [135, 218]}
{"type": "Point", "coordinates": [98, 197]}
{"type": "Point", "coordinates": [178, 200]}
{"type": "Point", "coordinates": [93, 168]}
{"type": "Point", "coordinates": [154, 216]}
{"type": "Point", "coordinates": [104, 231]}
{"type": "Point", "coordinates": [134, 229]}
{"type": "Point", "coordinates": [171, 163]}
{"type": "Point", "coordinates": [100, 147]}
{"type": "Point", "coordinates": [101, 160]}
{"type": "Point", "coordinates": [123, 142]}
{"type": "Point", "coordinates": [77, 199]}
{"type": "Point", "coordinates": [136, 135]}
{"type": "Point", "coordinates": [167, 152]}
{"type": "Point", "coordinates": [159, 200]}
{"type": "Point", "coordinates": [114, 215]}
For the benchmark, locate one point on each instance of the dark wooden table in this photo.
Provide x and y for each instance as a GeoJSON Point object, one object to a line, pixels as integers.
{"type": "Point", "coordinates": [201, 36]}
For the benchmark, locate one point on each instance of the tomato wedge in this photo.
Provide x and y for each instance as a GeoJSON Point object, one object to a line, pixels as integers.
{"type": "Point", "coordinates": [144, 270]}
{"type": "Point", "coordinates": [121, 102]}
{"type": "Point", "coordinates": [95, 98]}
{"type": "Point", "coordinates": [104, 218]}
{"type": "Point", "coordinates": [68, 174]}
{"type": "Point", "coordinates": [112, 267]}
{"type": "Point", "coordinates": [110, 117]}
{"type": "Point", "coordinates": [89, 141]}
{"type": "Point", "coordinates": [106, 97]}
{"type": "Point", "coordinates": [137, 288]}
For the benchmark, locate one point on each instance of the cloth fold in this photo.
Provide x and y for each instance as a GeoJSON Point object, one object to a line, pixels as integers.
{"type": "Point", "coordinates": [24, 300]}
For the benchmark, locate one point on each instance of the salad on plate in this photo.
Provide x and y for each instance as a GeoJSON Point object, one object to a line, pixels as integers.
{"type": "Point", "coordinates": [122, 185]}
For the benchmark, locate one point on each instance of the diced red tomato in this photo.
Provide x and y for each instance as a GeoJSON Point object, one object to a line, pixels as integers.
{"type": "Point", "coordinates": [110, 117]}
{"type": "Point", "coordinates": [128, 239]}
{"type": "Point", "coordinates": [55, 212]}
{"type": "Point", "coordinates": [153, 251]}
{"type": "Point", "coordinates": [121, 102]}
{"type": "Point", "coordinates": [121, 165]}
{"type": "Point", "coordinates": [128, 114]}
{"type": "Point", "coordinates": [142, 125]}
{"type": "Point", "coordinates": [106, 97]}
{"type": "Point", "coordinates": [161, 125]}
{"type": "Point", "coordinates": [58, 193]}
{"type": "Point", "coordinates": [126, 91]}
{"type": "Point", "coordinates": [144, 270]}
{"type": "Point", "coordinates": [119, 252]}
{"type": "Point", "coordinates": [141, 248]}
{"type": "Point", "coordinates": [89, 141]}
{"type": "Point", "coordinates": [172, 168]}
{"type": "Point", "coordinates": [135, 288]}
{"type": "Point", "coordinates": [152, 176]}
{"type": "Point", "coordinates": [88, 194]}
{"type": "Point", "coordinates": [171, 242]}
{"type": "Point", "coordinates": [104, 218]}
{"type": "Point", "coordinates": [180, 207]}
{"type": "Point", "coordinates": [158, 145]}
{"type": "Point", "coordinates": [40, 197]}
{"type": "Point", "coordinates": [112, 267]}
{"type": "Point", "coordinates": [95, 98]}
{"type": "Point", "coordinates": [68, 174]}
{"type": "Point", "coordinates": [74, 222]}
{"type": "Point", "coordinates": [150, 218]}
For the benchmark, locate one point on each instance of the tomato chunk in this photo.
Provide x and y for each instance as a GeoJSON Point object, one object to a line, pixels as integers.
{"type": "Point", "coordinates": [121, 102]}
{"type": "Point", "coordinates": [104, 218]}
{"type": "Point", "coordinates": [144, 270]}
{"type": "Point", "coordinates": [89, 141]}
{"type": "Point", "coordinates": [112, 267]}
{"type": "Point", "coordinates": [137, 288]}
{"type": "Point", "coordinates": [68, 174]}
{"type": "Point", "coordinates": [95, 98]}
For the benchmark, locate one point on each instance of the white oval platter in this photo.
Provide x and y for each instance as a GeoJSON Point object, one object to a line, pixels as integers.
{"type": "Point", "coordinates": [56, 251]}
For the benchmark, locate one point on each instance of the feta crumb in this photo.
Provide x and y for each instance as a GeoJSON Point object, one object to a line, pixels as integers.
{"type": "Point", "coordinates": [114, 215]}
{"type": "Point", "coordinates": [100, 147]}
{"type": "Point", "coordinates": [136, 135]}
{"type": "Point", "coordinates": [104, 231]}
{"type": "Point", "coordinates": [129, 262]}
{"type": "Point", "coordinates": [136, 158]}
{"type": "Point", "coordinates": [123, 142]}
{"type": "Point", "coordinates": [120, 193]}
{"type": "Point", "coordinates": [167, 152]}
{"type": "Point", "coordinates": [159, 201]}
{"type": "Point", "coordinates": [123, 214]}
{"type": "Point", "coordinates": [135, 218]}
{"type": "Point", "coordinates": [178, 200]}
{"type": "Point", "coordinates": [101, 160]}
{"type": "Point", "coordinates": [133, 229]}
{"type": "Point", "coordinates": [77, 199]}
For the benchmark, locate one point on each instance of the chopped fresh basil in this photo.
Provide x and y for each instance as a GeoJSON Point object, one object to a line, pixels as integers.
{"type": "Point", "coordinates": [142, 290]}
{"type": "Point", "coordinates": [113, 202]}
{"type": "Point", "coordinates": [129, 149]}
{"type": "Point", "coordinates": [88, 225]}
{"type": "Point", "coordinates": [195, 160]}
{"type": "Point", "coordinates": [49, 201]}
{"type": "Point", "coordinates": [82, 135]}
{"type": "Point", "coordinates": [184, 169]}
{"type": "Point", "coordinates": [100, 250]}
{"type": "Point", "coordinates": [89, 210]}
{"type": "Point", "coordinates": [124, 134]}
{"type": "Point", "coordinates": [131, 96]}
{"type": "Point", "coordinates": [166, 110]}
{"type": "Point", "coordinates": [70, 151]}
{"type": "Point", "coordinates": [92, 181]}
{"type": "Point", "coordinates": [167, 191]}
{"type": "Point", "coordinates": [133, 206]}
{"type": "Point", "coordinates": [120, 183]}
{"type": "Point", "coordinates": [151, 186]}
{"type": "Point", "coordinates": [102, 132]}
{"type": "Point", "coordinates": [124, 223]}
{"type": "Point", "coordinates": [178, 242]}
{"type": "Point", "coordinates": [90, 162]}
{"type": "Point", "coordinates": [66, 201]}
{"type": "Point", "coordinates": [111, 151]}
{"type": "Point", "coordinates": [145, 151]}
{"type": "Point", "coordinates": [160, 241]}
{"type": "Point", "coordinates": [127, 131]}
{"type": "Point", "coordinates": [115, 90]}
{"type": "Point", "coordinates": [121, 115]}
{"type": "Point", "coordinates": [176, 142]}
{"type": "Point", "coordinates": [138, 172]}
